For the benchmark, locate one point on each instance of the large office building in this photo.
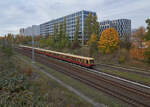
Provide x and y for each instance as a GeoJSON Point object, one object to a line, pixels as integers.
{"type": "Point", "coordinates": [123, 26]}
{"type": "Point", "coordinates": [29, 31]}
{"type": "Point", "coordinates": [48, 27]}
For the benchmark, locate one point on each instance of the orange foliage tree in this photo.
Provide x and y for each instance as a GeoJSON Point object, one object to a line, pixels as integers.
{"type": "Point", "coordinates": [109, 40]}
{"type": "Point", "coordinates": [137, 53]}
{"type": "Point", "coordinates": [138, 49]}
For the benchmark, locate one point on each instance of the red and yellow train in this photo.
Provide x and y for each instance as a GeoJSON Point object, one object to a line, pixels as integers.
{"type": "Point", "coordinates": [80, 60]}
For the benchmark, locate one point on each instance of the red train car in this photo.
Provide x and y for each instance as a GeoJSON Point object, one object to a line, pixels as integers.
{"type": "Point", "coordinates": [80, 60]}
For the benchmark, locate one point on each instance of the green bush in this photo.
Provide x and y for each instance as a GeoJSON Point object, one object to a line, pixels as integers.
{"type": "Point", "coordinates": [147, 53]}
{"type": "Point", "coordinates": [122, 59]}
{"type": "Point", "coordinates": [8, 51]}
{"type": "Point", "coordinates": [148, 59]}
{"type": "Point", "coordinates": [16, 90]}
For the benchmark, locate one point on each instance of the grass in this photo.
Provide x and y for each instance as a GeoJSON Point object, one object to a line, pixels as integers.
{"type": "Point", "coordinates": [52, 88]}
{"type": "Point", "coordinates": [138, 65]}
{"type": "Point", "coordinates": [131, 76]}
{"type": "Point", "coordinates": [86, 90]}
{"type": "Point", "coordinates": [22, 86]}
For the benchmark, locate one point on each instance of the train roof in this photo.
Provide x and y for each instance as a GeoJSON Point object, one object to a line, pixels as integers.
{"type": "Point", "coordinates": [61, 53]}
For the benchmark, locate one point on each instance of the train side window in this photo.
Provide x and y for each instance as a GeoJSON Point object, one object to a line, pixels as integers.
{"type": "Point", "coordinates": [91, 61]}
{"type": "Point", "coordinates": [80, 60]}
{"type": "Point", "coordinates": [86, 61]}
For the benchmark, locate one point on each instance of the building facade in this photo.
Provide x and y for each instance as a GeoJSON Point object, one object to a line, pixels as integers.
{"type": "Point", "coordinates": [48, 27]}
{"type": "Point", "coordinates": [123, 26]}
{"type": "Point", "coordinates": [29, 31]}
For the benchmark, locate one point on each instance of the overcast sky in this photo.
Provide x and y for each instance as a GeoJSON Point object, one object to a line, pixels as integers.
{"type": "Point", "coordinates": [16, 14]}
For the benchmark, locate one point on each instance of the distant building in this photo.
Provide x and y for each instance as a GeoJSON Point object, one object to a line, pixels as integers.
{"type": "Point", "coordinates": [29, 31]}
{"type": "Point", "coordinates": [48, 27]}
{"type": "Point", "coordinates": [123, 26]}
{"type": "Point", "coordinates": [21, 31]}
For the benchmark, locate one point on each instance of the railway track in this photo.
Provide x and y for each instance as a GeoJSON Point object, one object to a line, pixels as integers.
{"type": "Point", "coordinates": [128, 94]}
{"type": "Point", "coordinates": [101, 68]}
{"type": "Point", "coordinates": [121, 69]}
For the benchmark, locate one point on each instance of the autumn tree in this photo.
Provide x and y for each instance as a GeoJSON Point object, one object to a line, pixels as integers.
{"type": "Point", "coordinates": [125, 42]}
{"type": "Point", "coordinates": [56, 32]}
{"type": "Point", "coordinates": [137, 50]}
{"type": "Point", "coordinates": [147, 36]}
{"type": "Point", "coordinates": [61, 36]}
{"type": "Point", "coordinates": [61, 31]}
{"type": "Point", "coordinates": [92, 44]}
{"type": "Point", "coordinates": [50, 41]}
{"type": "Point", "coordinates": [2, 41]}
{"type": "Point", "coordinates": [76, 34]}
{"type": "Point", "coordinates": [88, 26]}
{"type": "Point", "coordinates": [91, 26]}
{"type": "Point", "coordinates": [19, 39]}
{"type": "Point", "coordinates": [9, 38]}
{"type": "Point", "coordinates": [147, 40]}
{"type": "Point", "coordinates": [42, 43]}
{"type": "Point", "coordinates": [65, 40]}
{"type": "Point", "coordinates": [138, 36]}
{"type": "Point", "coordinates": [37, 39]}
{"type": "Point", "coordinates": [28, 40]}
{"type": "Point", "coordinates": [65, 27]}
{"type": "Point", "coordinates": [109, 40]}
{"type": "Point", "coordinates": [96, 26]}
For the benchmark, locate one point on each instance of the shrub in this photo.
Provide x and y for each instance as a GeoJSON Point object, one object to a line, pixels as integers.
{"type": "Point", "coordinates": [122, 59]}
{"type": "Point", "coordinates": [92, 43]}
{"type": "Point", "coordinates": [8, 51]}
{"type": "Point", "coordinates": [29, 71]}
{"type": "Point", "coordinates": [147, 54]}
{"type": "Point", "coordinates": [125, 42]}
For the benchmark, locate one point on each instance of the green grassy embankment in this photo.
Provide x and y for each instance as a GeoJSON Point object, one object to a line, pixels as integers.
{"type": "Point", "coordinates": [130, 76]}
{"type": "Point", "coordinates": [22, 86]}
{"type": "Point", "coordinates": [92, 93]}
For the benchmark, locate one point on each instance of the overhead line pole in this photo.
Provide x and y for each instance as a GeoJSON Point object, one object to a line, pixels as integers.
{"type": "Point", "coordinates": [32, 46]}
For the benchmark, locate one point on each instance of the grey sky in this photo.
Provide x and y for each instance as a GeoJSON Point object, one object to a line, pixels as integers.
{"type": "Point", "coordinates": [15, 14]}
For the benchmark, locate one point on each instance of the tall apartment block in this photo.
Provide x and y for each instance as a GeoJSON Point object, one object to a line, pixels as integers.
{"type": "Point", "coordinates": [29, 31]}
{"type": "Point", "coordinates": [48, 27]}
{"type": "Point", "coordinates": [123, 26]}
